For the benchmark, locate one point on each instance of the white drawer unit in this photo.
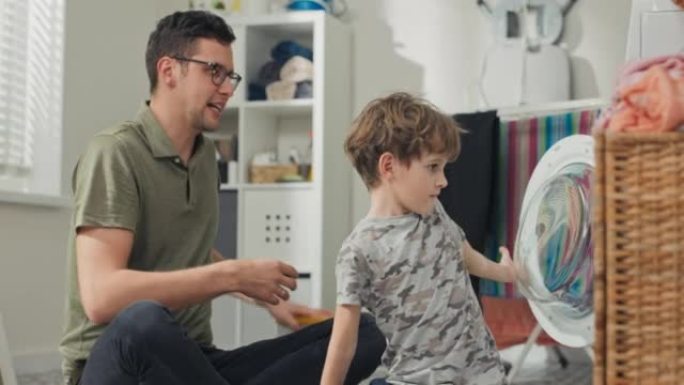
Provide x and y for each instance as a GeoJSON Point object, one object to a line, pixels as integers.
{"type": "Point", "coordinates": [283, 225]}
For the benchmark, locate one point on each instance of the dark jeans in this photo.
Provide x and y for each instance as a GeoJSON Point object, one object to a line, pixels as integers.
{"type": "Point", "coordinates": [145, 345]}
{"type": "Point", "coordinates": [379, 381]}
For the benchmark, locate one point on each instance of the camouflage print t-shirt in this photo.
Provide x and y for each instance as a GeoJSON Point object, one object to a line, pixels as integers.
{"type": "Point", "coordinates": [409, 272]}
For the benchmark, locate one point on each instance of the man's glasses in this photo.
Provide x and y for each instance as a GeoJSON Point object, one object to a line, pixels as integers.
{"type": "Point", "coordinates": [219, 73]}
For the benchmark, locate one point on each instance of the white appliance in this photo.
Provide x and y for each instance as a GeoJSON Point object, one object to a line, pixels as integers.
{"type": "Point", "coordinates": [553, 244]}
{"type": "Point", "coordinates": [553, 247]}
{"type": "Point", "coordinates": [656, 27]}
{"type": "Point", "coordinates": [524, 66]}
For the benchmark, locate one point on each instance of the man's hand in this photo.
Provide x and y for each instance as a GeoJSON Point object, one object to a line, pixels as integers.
{"type": "Point", "coordinates": [263, 280]}
{"type": "Point", "coordinates": [291, 314]}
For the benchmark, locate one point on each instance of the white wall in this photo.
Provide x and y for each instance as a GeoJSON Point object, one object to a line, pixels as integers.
{"type": "Point", "coordinates": [435, 48]}
{"type": "Point", "coordinates": [432, 47]}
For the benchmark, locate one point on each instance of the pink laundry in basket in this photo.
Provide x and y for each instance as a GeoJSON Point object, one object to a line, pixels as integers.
{"type": "Point", "coordinates": [649, 97]}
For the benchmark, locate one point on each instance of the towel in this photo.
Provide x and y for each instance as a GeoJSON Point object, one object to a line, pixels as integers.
{"type": "Point", "coordinates": [281, 90]}
{"type": "Point", "coordinates": [286, 49]}
{"type": "Point", "coordinates": [256, 92]}
{"type": "Point", "coordinates": [649, 97]}
{"type": "Point", "coordinates": [268, 73]}
{"type": "Point", "coordinates": [297, 69]}
{"type": "Point", "coordinates": [653, 104]}
{"type": "Point", "coordinates": [469, 196]}
{"type": "Point", "coordinates": [304, 90]}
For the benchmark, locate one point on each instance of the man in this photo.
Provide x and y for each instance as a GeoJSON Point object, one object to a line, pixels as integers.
{"type": "Point", "coordinates": [144, 222]}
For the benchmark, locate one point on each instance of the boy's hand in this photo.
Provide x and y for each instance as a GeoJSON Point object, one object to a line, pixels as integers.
{"type": "Point", "coordinates": [509, 271]}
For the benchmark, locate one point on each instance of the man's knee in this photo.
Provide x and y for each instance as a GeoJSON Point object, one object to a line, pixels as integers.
{"type": "Point", "coordinates": [141, 319]}
{"type": "Point", "coordinates": [371, 345]}
{"type": "Point", "coordinates": [129, 336]}
{"type": "Point", "coordinates": [371, 339]}
{"type": "Point", "coordinates": [370, 329]}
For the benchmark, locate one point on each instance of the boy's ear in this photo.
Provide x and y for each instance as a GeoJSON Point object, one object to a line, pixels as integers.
{"type": "Point", "coordinates": [386, 165]}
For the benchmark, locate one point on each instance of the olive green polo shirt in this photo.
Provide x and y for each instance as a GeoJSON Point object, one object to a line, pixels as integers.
{"type": "Point", "coordinates": [131, 177]}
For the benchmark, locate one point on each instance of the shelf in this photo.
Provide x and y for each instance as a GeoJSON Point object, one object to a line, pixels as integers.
{"type": "Point", "coordinates": [284, 22]}
{"type": "Point", "coordinates": [266, 186]}
{"type": "Point", "coordinates": [293, 107]}
{"type": "Point", "coordinates": [278, 186]}
{"type": "Point", "coordinates": [254, 213]}
{"type": "Point", "coordinates": [228, 187]}
{"type": "Point", "coordinates": [293, 28]}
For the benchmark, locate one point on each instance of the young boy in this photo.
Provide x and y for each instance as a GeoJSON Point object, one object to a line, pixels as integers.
{"type": "Point", "coordinates": [407, 262]}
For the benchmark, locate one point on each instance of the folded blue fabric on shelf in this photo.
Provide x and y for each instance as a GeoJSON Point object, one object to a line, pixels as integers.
{"type": "Point", "coordinates": [304, 90]}
{"type": "Point", "coordinates": [286, 49]}
{"type": "Point", "coordinates": [256, 91]}
{"type": "Point", "coordinates": [269, 73]}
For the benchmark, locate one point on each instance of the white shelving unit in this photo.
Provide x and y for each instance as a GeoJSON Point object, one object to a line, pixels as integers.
{"type": "Point", "coordinates": [300, 223]}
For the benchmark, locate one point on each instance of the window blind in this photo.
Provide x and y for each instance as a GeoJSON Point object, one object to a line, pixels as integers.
{"type": "Point", "coordinates": [31, 88]}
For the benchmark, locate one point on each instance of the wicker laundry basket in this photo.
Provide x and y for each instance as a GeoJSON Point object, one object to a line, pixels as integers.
{"type": "Point", "coordinates": [639, 259]}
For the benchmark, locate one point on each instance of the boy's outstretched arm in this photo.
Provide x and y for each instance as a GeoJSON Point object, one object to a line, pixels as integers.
{"type": "Point", "coordinates": [481, 266]}
{"type": "Point", "coordinates": [342, 344]}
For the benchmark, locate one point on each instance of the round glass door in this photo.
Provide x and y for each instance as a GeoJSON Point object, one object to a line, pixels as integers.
{"type": "Point", "coordinates": [553, 249]}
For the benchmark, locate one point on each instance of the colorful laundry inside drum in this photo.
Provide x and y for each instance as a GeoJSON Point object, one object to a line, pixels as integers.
{"type": "Point", "coordinates": [553, 249]}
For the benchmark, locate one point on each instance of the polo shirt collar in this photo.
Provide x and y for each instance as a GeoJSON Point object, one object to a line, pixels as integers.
{"type": "Point", "coordinates": [159, 142]}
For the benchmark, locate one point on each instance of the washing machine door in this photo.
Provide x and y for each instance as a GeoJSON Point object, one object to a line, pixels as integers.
{"type": "Point", "coordinates": [553, 248]}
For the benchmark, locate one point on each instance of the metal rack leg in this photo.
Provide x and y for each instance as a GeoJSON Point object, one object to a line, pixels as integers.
{"type": "Point", "coordinates": [526, 349]}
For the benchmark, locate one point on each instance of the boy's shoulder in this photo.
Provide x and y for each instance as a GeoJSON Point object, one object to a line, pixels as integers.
{"type": "Point", "coordinates": [368, 239]}
{"type": "Point", "coordinates": [360, 238]}
{"type": "Point", "coordinates": [371, 231]}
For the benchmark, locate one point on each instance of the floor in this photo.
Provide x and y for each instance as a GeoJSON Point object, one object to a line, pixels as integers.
{"type": "Point", "coordinates": [49, 378]}
{"type": "Point", "coordinates": [539, 368]}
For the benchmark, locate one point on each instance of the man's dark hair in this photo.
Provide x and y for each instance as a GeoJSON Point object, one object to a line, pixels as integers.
{"type": "Point", "coordinates": [175, 35]}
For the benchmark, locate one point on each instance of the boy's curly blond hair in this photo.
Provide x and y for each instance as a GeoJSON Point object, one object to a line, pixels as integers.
{"type": "Point", "coordinates": [403, 125]}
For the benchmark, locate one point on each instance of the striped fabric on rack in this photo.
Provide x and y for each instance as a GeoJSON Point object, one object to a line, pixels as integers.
{"type": "Point", "coordinates": [522, 143]}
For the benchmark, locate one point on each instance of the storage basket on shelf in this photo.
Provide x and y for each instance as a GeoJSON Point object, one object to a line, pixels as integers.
{"type": "Point", "coordinates": [270, 173]}
{"type": "Point", "coordinates": [639, 258]}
